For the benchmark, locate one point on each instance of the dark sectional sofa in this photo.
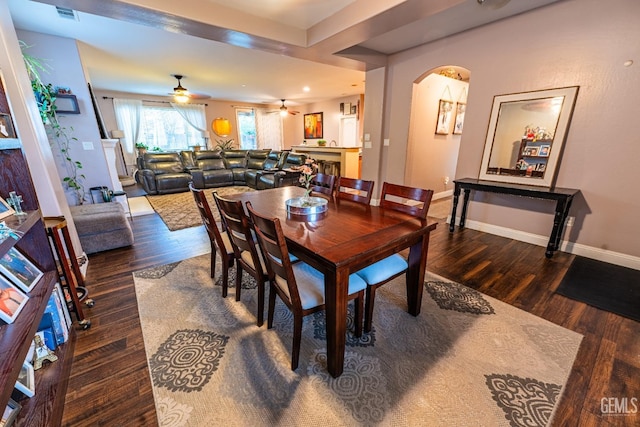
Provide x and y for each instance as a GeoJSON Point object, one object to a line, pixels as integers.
{"type": "Point", "coordinates": [164, 173]}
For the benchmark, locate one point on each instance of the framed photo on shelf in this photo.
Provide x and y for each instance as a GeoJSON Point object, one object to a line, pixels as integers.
{"type": "Point", "coordinates": [19, 270]}
{"type": "Point", "coordinates": [26, 383]}
{"type": "Point", "coordinates": [5, 209]}
{"type": "Point", "coordinates": [544, 151]}
{"type": "Point", "coordinates": [11, 301]}
{"type": "Point", "coordinates": [10, 413]}
{"type": "Point", "coordinates": [445, 110]}
{"type": "Point", "coordinates": [6, 126]}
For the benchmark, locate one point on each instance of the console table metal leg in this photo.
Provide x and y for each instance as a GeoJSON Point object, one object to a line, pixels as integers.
{"type": "Point", "coordinates": [456, 194]}
{"type": "Point", "coordinates": [465, 202]}
{"type": "Point", "coordinates": [559, 219]}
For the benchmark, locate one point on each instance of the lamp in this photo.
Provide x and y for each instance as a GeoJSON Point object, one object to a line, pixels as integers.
{"type": "Point", "coordinates": [205, 135]}
{"type": "Point", "coordinates": [117, 134]}
{"type": "Point", "coordinates": [221, 127]}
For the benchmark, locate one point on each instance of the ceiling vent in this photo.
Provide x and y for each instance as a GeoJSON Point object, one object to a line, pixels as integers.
{"type": "Point", "coordinates": [65, 13]}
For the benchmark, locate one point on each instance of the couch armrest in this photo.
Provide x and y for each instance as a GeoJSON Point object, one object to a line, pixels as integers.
{"type": "Point", "coordinates": [197, 176]}
{"type": "Point", "coordinates": [148, 181]}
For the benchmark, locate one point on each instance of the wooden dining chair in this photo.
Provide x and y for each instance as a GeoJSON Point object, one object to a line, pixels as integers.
{"type": "Point", "coordinates": [323, 183]}
{"type": "Point", "coordinates": [245, 247]}
{"type": "Point", "coordinates": [219, 239]}
{"type": "Point", "coordinates": [357, 190]}
{"type": "Point", "coordinates": [412, 201]}
{"type": "Point", "coordinates": [299, 286]}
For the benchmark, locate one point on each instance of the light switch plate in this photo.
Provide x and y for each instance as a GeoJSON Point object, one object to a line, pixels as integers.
{"type": "Point", "coordinates": [87, 145]}
{"type": "Point", "coordinates": [386, 142]}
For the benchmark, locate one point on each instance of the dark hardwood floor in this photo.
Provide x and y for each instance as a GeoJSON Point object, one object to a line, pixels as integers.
{"type": "Point", "coordinates": [110, 384]}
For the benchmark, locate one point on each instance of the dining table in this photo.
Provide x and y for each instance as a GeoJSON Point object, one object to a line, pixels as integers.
{"type": "Point", "coordinates": [345, 238]}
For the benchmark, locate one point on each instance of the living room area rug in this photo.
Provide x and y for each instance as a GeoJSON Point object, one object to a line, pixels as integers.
{"type": "Point", "coordinates": [467, 359]}
{"type": "Point", "coordinates": [179, 210]}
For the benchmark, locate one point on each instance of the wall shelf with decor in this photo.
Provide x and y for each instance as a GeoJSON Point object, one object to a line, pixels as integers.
{"type": "Point", "coordinates": [46, 406]}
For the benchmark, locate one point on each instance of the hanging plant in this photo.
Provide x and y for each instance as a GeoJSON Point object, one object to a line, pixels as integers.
{"type": "Point", "coordinates": [59, 136]}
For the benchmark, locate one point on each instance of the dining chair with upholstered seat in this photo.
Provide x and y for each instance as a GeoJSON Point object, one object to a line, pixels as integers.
{"type": "Point", "coordinates": [357, 190]}
{"type": "Point", "coordinates": [323, 183]}
{"type": "Point", "coordinates": [219, 240]}
{"type": "Point", "coordinates": [245, 246]}
{"type": "Point", "coordinates": [409, 200]}
{"type": "Point", "coordinates": [299, 286]}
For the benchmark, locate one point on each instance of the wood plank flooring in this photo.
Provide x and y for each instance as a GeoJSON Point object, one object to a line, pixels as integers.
{"type": "Point", "coordinates": [110, 384]}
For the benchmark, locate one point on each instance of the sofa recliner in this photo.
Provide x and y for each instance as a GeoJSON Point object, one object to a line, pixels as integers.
{"type": "Point", "coordinates": [164, 173]}
{"type": "Point", "coordinates": [285, 175]}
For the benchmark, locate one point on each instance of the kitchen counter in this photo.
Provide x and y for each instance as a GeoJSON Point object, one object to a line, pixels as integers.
{"type": "Point", "coordinates": [347, 156]}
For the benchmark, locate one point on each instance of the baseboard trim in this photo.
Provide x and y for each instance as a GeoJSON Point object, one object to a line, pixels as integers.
{"type": "Point", "coordinates": [599, 254]}
{"type": "Point", "coordinates": [442, 195]}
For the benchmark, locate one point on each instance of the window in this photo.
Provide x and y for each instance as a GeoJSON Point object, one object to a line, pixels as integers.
{"type": "Point", "coordinates": [246, 119]}
{"type": "Point", "coordinates": [164, 128]}
{"type": "Point", "coordinates": [259, 129]}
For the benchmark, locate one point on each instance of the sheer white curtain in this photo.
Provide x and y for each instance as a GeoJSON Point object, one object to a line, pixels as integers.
{"type": "Point", "coordinates": [193, 114]}
{"type": "Point", "coordinates": [129, 119]}
{"type": "Point", "coordinates": [269, 129]}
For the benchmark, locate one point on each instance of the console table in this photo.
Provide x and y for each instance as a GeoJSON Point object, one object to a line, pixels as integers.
{"type": "Point", "coordinates": [562, 196]}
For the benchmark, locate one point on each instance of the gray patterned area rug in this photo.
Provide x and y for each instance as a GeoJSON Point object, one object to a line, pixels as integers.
{"type": "Point", "coordinates": [466, 360]}
{"type": "Point", "coordinates": [179, 210]}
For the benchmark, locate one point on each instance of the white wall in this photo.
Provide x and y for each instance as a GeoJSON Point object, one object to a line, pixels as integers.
{"type": "Point", "coordinates": [574, 42]}
{"type": "Point", "coordinates": [432, 157]}
{"type": "Point", "coordinates": [65, 70]}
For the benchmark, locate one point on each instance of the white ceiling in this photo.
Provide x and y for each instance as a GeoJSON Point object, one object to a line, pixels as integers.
{"type": "Point", "coordinates": [249, 50]}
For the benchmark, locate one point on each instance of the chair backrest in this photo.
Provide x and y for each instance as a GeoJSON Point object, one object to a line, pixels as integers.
{"type": "Point", "coordinates": [207, 218]}
{"type": "Point", "coordinates": [352, 189]}
{"type": "Point", "coordinates": [410, 200]}
{"type": "Point", "coordinates": [276, 255]}
{"type": "Point", "coordinates": [239, 229]}
{"type": "Point", "coordinates": [323, 183]}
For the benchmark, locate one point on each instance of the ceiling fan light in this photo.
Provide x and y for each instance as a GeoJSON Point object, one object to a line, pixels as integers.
{"type": "Point", "coordinates": [283, 113]}
{"type": "Point", "coordinates": [181, 97]}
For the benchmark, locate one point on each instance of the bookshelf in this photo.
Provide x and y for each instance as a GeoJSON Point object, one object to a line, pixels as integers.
{"type": "Point", "coordinates": [46, 406]}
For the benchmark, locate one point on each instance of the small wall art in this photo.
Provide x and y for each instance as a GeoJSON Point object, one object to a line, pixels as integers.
{"type": "Point", "coordinates": [313, 125]}
{"type": "Point", "coordinates": [460, 109]}
{"type": "Point", "coordinates": [445, 111]}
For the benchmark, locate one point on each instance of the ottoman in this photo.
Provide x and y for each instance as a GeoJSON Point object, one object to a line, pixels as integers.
{"type": "Point", "coordinates": [102, 226]}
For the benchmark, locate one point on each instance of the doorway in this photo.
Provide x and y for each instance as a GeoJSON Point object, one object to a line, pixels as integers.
{"type": "Point", "coordinates": [439, 94]}
{"type": "Point", "coordinates": [348, 131]}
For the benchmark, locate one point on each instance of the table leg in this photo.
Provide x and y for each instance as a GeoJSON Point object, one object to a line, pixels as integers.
{"type": "Point", "coordinates": [456, 194]}
{"type": "Point", "coordinates": [336, 290]}
{"type": "Point", "coordinates": [559, 220]}
{"type": "Point", "coordinates": [415, 274]}
{"type": "Point", "coordinates": [465, 202]}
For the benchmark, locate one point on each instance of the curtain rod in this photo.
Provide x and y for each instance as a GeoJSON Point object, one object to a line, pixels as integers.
{"type": "Point", "coordinates": [147, 100]}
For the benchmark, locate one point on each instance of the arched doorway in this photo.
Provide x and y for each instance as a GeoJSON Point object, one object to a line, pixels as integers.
{"type": "Point", "coordinates": [435, 128]}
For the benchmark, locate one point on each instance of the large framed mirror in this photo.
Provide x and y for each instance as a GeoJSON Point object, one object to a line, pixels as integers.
{"type": "Point", "coordinates": [526, 136]}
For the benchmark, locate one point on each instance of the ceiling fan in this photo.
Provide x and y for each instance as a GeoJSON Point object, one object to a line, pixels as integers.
{"type": "Point", "coordinates": [181, 94]}
{"type": "Point", "coordinates": [284, 110]}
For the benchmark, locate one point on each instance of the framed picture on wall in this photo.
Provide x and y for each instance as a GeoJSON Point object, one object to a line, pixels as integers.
{"type": "Point", "coordinates": [445, 110]}
{"type": "Point", "coordinates": [67, 104]}
{"type": "Point", "coordinates": [313, 125]}
{"type": "Point", "coordinates": [460, 109]}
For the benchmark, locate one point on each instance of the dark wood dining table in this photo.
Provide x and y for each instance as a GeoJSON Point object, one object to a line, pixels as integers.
{"type": "Point", "coordinates": [344, 239]}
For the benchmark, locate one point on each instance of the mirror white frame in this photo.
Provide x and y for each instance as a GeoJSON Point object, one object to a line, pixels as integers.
{"type": "Point", "coordinates": [520, 124]}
